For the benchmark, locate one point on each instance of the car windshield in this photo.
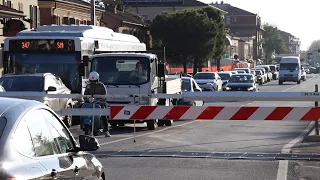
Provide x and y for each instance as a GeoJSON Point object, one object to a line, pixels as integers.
{"type": "Point", "coordinates": [23, 83]}
{"type": "Point", "coordinates": [258, 72]}
{"type": "Point", "coordinates": [245, 70]}
{"type": "Point", "coordinates": [272, 68]}
{"type": "Point", "coordinates": [224, 76]}
{"type": "Point", "coordinates": [122, 70]}
{"type": "Point", "coordinates": [289, 66]}
{"type": "Point", "coordinates": [261, 69]}
{"type": "Point", "coordinates": [241, 79]}
{"type": "Point", "coordinates": [204, 76]}
{"type": "Point", "coordinates": [186, 85]}
{"type": "Point", "coordinates": [241, 71]}
{"type": "Point", "coordinates": [64, 65]}
{"type": "Point", "coordinates": [264, 67]}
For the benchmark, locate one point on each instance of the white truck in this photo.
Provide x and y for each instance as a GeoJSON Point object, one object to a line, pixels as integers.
{"type": "Point", "coordinates": [116, 72]}
{"type": "Point", "coordinates": [290, 69]}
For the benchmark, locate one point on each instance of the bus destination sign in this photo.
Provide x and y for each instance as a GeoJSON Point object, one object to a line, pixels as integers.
{"type": "Point", "coordinates": [41, 45]}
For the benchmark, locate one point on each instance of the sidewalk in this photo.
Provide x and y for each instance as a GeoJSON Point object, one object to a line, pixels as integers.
{"type": "Point", "coordinates": [307, 146]}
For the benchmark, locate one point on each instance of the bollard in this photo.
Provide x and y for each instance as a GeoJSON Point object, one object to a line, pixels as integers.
{"type": "Point", "coordinates": [316, 105]}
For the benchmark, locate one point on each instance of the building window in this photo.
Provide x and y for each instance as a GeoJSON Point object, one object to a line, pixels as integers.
{"type": "Point", "coordinates": [77, 22]}
{"type": "Point", "coordinates": [20, 6]}
{"type": "Point", "coordinates": [234, 19]}
{"type": "Point", "coordinates": [65, 20]}
{"type": "Point", "coordinates": [72, 21]}
{"type": "Point", "coordinates": [228, 20]}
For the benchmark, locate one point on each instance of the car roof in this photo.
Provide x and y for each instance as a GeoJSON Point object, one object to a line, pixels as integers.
{"type": "Point", "coordinates": [226, 72]}
{"type": "Point", "coordinates": [7, 104]}
{"type": "Point", "coordinates": [31, 74]}
{"type": "Point", "coordinates": [205, 72]}
{"type": "Point", "coordinates": [184, 77]}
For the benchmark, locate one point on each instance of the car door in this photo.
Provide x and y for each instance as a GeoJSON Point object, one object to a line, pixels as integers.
{"type": "Point", "coordinates": [28, 165]}
{"type": "Point", "coordinates": [47, 151]}
{"type": "Point", "coordinates": [49, 80]}
{"type": "Point", "coordinates": [62, 89]}
{"type": "Point", "coordinates": [81, 164]}
{"type": "Point", "coordinates": [196, 88]}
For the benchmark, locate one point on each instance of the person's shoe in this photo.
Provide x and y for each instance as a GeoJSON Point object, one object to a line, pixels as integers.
{"type": "Point", "coordinates": [107, 134]}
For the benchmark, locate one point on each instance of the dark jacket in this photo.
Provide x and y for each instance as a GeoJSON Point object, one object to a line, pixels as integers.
{"type": "Point", "coordinates": [95, 89]}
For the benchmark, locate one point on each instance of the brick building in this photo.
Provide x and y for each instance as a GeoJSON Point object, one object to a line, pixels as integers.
{"type": "Point", "coordinates": [245, 25]}
{"type": "Point", "coordinates": [67, 12]}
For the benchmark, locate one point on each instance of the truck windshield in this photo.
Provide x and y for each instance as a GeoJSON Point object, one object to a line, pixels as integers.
{"type": "Point", "coordinates": [63, 65]}
{"type": "Point", "coordinates": [122, 70]}
{"type": "Point", "coordinates": [289, 66]}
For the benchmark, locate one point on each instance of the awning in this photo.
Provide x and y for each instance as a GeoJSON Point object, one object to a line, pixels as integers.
{"type": "Point", "coordinates": [228, 40]}
{"type": "Point", "coordinates": [7, 12]}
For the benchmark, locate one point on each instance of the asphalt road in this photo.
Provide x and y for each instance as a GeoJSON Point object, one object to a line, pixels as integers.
{"type": "Point", "coordinates": [216, 146]}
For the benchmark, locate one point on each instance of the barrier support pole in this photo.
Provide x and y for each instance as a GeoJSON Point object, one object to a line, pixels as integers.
{"type": "Point", "coordinates": [316, 105]}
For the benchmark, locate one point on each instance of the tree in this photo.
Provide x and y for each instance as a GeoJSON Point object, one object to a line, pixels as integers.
{"type": "Point", "coordinates": [273, 42]}
{"type": "Point", "coordinates": [188, 33]}
{"type": "Point", "coordinates": [315, 45]}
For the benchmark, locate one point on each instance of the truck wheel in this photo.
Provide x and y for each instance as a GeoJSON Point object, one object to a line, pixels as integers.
{"type": "Point", "coordinates": [280, 82]}
{"type": "Point", "coordinates": [168, 122]}
{"type": "Point", "coordinates": [151, 124]}
{"type": "Point", "coordinates": [160, 123]}
{"type": "Point", "coordinates": [298, 82]}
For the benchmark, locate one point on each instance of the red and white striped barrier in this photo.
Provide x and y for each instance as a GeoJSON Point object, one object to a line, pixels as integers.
{"type": "Point", "coordinates": [214, 113]}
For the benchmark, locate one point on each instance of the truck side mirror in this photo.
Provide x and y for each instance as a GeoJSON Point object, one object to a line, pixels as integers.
{"type": "Point", "coordinates": [161, 70]}
{"type": "Point", "coordinates": [81, 69]}
{"type": "Point", "coordinates": [86, 60]}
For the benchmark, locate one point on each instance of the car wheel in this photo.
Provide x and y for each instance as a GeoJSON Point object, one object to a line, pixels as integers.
{"type": "Point", "coordinates": [68, 119]}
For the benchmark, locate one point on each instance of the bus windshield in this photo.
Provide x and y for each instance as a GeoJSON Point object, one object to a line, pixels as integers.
{"type": "Point", "coordinates": [122, 70]}
{"type": "Point", "coordinates": [62, 64]}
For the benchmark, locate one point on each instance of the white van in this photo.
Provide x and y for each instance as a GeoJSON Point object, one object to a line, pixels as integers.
{"type": "Point", "coordinates": [290, 69]}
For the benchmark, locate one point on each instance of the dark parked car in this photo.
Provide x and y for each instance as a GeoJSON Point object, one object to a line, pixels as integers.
{"type": "Point", "coordinates": [242, 82]}
{"type": "Point", "coordinates": [35, 144]}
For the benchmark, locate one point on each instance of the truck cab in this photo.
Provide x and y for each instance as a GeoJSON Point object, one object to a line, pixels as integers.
{"type": "Point", "coordinates": [128, 75]}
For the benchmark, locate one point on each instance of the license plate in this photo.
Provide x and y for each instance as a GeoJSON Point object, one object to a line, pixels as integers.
{"type": "Point", "coordinates": [87, 121]}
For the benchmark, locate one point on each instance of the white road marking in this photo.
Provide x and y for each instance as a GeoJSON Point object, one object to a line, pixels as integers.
{"type": "Point", "coordinates": [283, 164]}
{"type": "Point", "coordinates": [145, 134]}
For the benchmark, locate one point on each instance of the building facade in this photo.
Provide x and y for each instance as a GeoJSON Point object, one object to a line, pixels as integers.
{"type": "Point", "coordinates": [244, 24]}
{"type": "Point", "coordinates": [68, 12]}
{"type": "Point", "coordinates": [292, 43]}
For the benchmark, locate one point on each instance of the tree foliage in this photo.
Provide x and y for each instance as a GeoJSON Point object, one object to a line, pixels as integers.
{"type": "Point", "coordinates": [273, 42]}
{"type": "Point", "coordinates": [191, 35]}
{"type": "Point", "coordinates": [314, 46]}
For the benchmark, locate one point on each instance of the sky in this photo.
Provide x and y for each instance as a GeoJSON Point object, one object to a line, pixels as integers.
{"type": "Point", "coordinates": [300, 18]}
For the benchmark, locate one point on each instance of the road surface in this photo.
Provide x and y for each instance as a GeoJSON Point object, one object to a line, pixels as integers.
{"type": "Point", "coordinates": [239, 150]}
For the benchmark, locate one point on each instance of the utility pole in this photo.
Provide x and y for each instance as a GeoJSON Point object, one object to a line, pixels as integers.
{"type": "Point", "coordinates": [93, 12]}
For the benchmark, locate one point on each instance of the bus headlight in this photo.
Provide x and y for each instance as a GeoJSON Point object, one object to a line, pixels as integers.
{"type": "Point", "coordinates": [228, 88]}
{"type": "Point", "coordinates": [250, 88]}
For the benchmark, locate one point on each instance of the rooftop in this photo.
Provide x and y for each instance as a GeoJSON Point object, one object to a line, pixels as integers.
{"type": "Point", "coordinates": [231, 10]}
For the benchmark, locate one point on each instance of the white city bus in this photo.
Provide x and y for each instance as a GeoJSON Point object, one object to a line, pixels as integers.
{"type": "Point", "coordinates": [64, 50]}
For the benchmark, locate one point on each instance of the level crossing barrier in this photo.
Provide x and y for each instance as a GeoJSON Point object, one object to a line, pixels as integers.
{"type": "Point", "coordinates": [140, 112]}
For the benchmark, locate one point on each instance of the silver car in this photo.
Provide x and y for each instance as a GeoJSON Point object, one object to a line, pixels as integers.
{"type": "Point", "coordinates": [40, 82]}
{"type": "Point", "coordinates": [35, 144]}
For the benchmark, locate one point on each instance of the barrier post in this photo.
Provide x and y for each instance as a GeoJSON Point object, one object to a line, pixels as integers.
{"type": "Point", "coordinates": [316, 105]}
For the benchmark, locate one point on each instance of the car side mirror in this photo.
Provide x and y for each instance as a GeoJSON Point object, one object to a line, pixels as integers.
{"type": "Point", "coordinates": [51, 89]}
{"type": "Point", "coordinates": [88, 143]}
